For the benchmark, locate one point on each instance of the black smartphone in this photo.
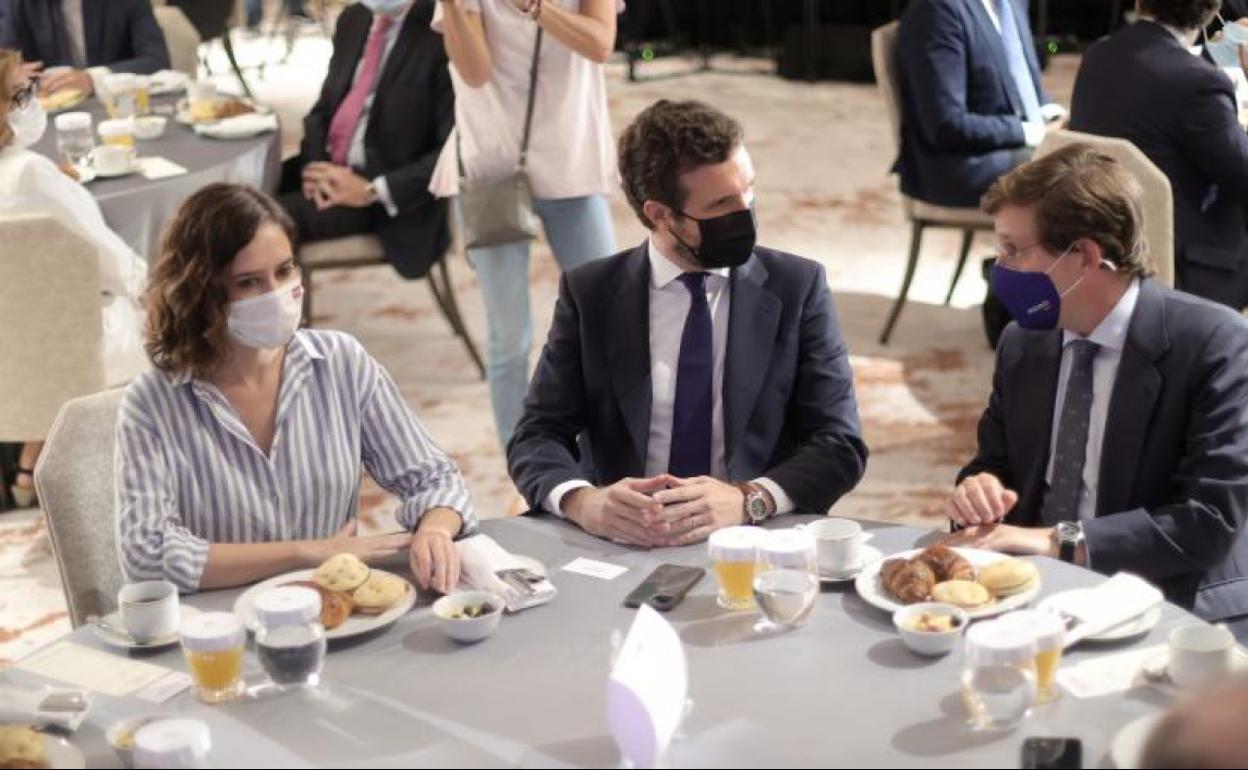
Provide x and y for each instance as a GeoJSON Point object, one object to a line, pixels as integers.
{"type": "Point", "coordinates": [665, 587]}
{"type": "Point", "coordinates": [1053, 753]}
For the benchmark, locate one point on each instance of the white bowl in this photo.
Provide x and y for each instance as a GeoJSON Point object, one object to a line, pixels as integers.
{"type": "Point", "coordinates": [150, 126]}
{"type": "Point", "coordinates": [130, 726]}
{"type": "Point", "coordinates": [468, 629]}
{"type": "Point", "coordinates": [930, 643]}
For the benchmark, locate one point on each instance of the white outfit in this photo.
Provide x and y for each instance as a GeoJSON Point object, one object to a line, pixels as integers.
{"type": "Point", "coordinates": [32, 184]}
{"type": "Point", "coordinates": [571, 145]}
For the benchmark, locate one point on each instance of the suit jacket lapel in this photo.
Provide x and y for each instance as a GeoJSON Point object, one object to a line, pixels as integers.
{"type": "Point", "coordinates": [997, 48]}
{"type": "Point", "coordinates": [628, 352]}
{"type": "Point", "coordinates": [753, 319]}
{"type": "Point", "coordinates": [1036, 391]}
{"type": "Point", "coordinates": [1131, 407]}
{"type": "Point", "coordinates": [419, 15]}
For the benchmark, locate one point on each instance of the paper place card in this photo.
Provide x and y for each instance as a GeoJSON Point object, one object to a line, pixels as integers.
{"type": "Point", "coordinates": [93, 670]}
{"type": "Point", "coordinates": [1106, 674]}
{"type": "Point", "coordinates": [595, 569]}
{"type": "Point", "coordinates": [165, 688]}
{"type": "Point", "coordinates": [159, 168]}
{"type": "Point", "coordinates": [647, 689]}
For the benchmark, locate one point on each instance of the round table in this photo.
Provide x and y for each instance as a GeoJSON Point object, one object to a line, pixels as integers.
{"type": "Point", "coordinates": [840, 691]}
{"type": "Point", "coordinates": [136, 208]}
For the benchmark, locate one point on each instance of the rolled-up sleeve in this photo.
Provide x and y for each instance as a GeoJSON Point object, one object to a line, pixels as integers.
{"type": "Point", "coordinates": [401, 456]}
{"type": "Point", "coordinates": [152, 541]}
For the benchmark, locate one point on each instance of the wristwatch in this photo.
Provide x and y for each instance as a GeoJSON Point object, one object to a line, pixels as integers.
{"type": "Point", "coordinates": [1069, 536]}
{"type": "Point", "coordinates": [759, 504]}
{"type": "Point", "coordinates": [371, 189]}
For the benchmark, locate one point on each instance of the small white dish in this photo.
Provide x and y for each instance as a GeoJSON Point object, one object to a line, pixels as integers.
{"type": "Point", "coordinates": [1127, 749]}
{"type": "Point", "coordinates": [870, 554]}
{"type": "Point", "coordinates": [149, 127]}
{"type": "Point", "coordinates": [86, 174]}
{"type": "Point", "coordinates": [463, 629]}
{"type": "Point", "coordinates": [1137, 626]}
{"type": "Point", "coordinates": [930, 643]}
{"type": "Point", "coordinates": [112, 632]}
{"type": "Point", "coordinates": [1155, 672]}
{"type": "Point", "coordinates": [124, 730]}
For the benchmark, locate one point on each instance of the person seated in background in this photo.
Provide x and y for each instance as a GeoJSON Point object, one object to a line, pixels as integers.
{"type": "Point", "coordinates": [1204, 731]}
{"type": "Point", "coordinates": [255, 12]}
{"type": "Point", "coordinates": [32, 184]}
{"type": "Point", "coordinates": [85, 38]}
{"type": "Point", "coordinates": [371, 140]}
{"type": "Point", "coordinates": [695, 381]}
{"type": "Point", "coordinates": [1116, 433]}
{"type": "Point", "coordinates": [1144, 84]}
{"type": "Point", "coordinates": [239, 455]}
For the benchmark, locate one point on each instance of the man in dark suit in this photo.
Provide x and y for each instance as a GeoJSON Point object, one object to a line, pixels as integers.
{"type": "Point", "coordinates": [121, 35]}
{"type": "Point", "coordinates": [1116, 435]}
{"type": "Point", "coordinates": [372, 138]}
{"type": "Point", "coordinates": [1143, 84]}
{"type": "Point", "coordinates": [696, 381]}
{"type": "Point", "coordinates": [972, 103]}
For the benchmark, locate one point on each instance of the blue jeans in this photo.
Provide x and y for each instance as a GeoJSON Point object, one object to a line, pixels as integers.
{"type": "Point", "coordinates": [579, 230]}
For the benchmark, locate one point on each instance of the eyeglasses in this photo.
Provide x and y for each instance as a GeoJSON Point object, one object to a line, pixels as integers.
{"type": "Point", "coordinates": [1006, 253]}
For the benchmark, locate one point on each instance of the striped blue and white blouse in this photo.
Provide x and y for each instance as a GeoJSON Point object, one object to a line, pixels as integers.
{"type": "Point", "coordinates": [188, 472]}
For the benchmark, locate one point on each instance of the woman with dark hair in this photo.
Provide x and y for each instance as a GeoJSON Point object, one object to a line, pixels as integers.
{"type": "Point", "coordinates": [239, 456]}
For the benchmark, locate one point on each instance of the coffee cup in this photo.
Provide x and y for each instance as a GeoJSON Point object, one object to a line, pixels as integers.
{"type": "Point", "coordinates": [840, 543]}
{"type": "Point", "coordinates": [110, 159]}
{"type": "Point", "coordinates": [1200, 654]}
{"type": "Point", "coordinates": [149, 610]}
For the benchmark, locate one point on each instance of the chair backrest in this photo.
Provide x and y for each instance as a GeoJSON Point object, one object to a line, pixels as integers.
{"type": "Point", "coordinates": [51, 323]}
{"type": "Point", "coordinates": [1158, 201]}
{"type": "Point", "coordinates": [74, 479]}
{"type": "Point", "coordinates": [884, 60]}
{"type": "Point", "coordinates": [181, 38]}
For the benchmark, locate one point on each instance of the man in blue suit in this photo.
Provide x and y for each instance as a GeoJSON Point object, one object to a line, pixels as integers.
{"type": "Point", "coordinates": [1116, 434]}
{"type": "Point", "coordinates": [972, 103]}
{"type": "Point", "coordinates": [698, 380]}
{"type": "Point", "coordinates": [121, 35]}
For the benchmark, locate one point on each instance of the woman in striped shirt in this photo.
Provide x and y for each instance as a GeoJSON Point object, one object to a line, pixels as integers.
{"type": "Point", "coordinates": [239, 456]}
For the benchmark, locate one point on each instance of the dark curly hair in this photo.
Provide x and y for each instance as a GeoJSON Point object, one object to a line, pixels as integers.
{"type": "Point", "coordinates": [669, 139]}
{"type": "Point", "coordinates": [186, 298]}
{"type": "Point", "coordinates": [1183, 14]}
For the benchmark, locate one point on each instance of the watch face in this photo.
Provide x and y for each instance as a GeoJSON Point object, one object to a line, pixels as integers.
{"type": "Point", "coordinates": [756, 507]}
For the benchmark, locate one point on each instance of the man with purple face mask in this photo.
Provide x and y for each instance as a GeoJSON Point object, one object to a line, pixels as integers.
{"type": "Point", "coordinates": [1116, 435]}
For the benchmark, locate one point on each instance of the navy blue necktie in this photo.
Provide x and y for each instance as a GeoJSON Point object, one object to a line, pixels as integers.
{"type": "Point", "coordinates": [691, 414]}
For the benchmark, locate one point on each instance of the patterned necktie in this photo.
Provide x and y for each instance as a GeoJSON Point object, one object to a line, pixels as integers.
{"type": "Point", "coordinates": [347, 117]}
{"type": "Point", "coordinates": [691, 413]}
{"type": "Point", "coordinates": [1016, 57]}
{"type": "Point", "coordinates": [1062, 501]}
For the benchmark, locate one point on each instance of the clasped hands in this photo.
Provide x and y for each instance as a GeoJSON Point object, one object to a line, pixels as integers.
{"type": "Point", "coordinates": [661, 511]}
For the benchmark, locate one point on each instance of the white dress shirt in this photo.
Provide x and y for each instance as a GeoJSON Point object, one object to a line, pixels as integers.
{"type": "Point", "coordinates": [356, 156]}
{"type": "Point", "coordinates": [669, 306]}
{"type": "Point", "coordinates": [1033, 133]}
{"type": "Point", "coordinates": [1111, 335]}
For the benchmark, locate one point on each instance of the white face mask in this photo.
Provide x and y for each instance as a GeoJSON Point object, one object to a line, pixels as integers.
{"type": "Point", "coordinates": [387, 7]}
{"type": "Point", "coordinates": [28, 123]}
{"type": "Point", "coordinates": [268, 321]}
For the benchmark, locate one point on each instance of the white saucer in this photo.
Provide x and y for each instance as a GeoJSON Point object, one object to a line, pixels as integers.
{"type": "Point", "coordinates": [870, 554]}
{"type": "Point", "coordinates": [118, 638]}
{"type": "Point", "coordinates": [85, 173]}
{"type": "Point", "coordinates": [1155, 675]}
{"type": "Point", "coordinates": [134, 169]}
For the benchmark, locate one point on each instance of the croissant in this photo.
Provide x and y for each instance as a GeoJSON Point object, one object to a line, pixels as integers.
{"type": "Point", "coordinates": [909, 581]}
{"type": "Point", "coordinates": [946, 563]}
{"type": "Point", "coordinates": [336, 606]}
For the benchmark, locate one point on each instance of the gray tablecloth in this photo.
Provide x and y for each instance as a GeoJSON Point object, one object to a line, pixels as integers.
{"type": "Point", "coordinates": [840, 691]}
{"type": "Point", "coordinates": [137, 208]}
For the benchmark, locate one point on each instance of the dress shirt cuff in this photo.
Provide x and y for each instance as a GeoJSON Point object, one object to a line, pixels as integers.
{"type": "Point", "coordinates": [414, 509]}
{"type": "Point", "coordinates": [1033, 134]}
{"type": "Point", "coordinates": [1052, 111]}
{"type": "Point", "coordinates": [555, 499]}
{"type": "Point", "coordinates": [784, 504]}
{"type": "Point", "coordinates": [383, 196]}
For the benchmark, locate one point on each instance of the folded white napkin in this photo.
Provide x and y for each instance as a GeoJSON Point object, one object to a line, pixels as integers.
{"type": "Point", "coordinates": [481, 559]}
{"type": "Point", "coordinates": [153, 167]}
{"type": "Point", "coordinates": [1117, 600]}
{"type": "Point", "coordinates": [21, 706]}
{"type": "Point", "coordinates": [239, 126]}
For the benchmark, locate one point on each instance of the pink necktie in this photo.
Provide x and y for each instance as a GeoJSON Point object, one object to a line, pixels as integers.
{"type": "Point", "coordinates": [347, 117]}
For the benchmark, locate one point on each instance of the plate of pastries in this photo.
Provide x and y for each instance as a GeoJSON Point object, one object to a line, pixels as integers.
{"type": "Point", "coordinates": [64, 99]}
{"type": "Point", "coordinates": [22, 746]}
{"type": "Point", "coordinates": [983, 583]}
{"type": "Point", "coordinates": [355, 598]}
{"type": "Point", "coordinates": [214, 110]}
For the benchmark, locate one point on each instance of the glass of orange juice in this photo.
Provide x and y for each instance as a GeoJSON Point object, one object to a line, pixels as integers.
{"type": "Point", "coordinates": [1049, 634]}
{"type": "Point", "coordinates": [213, 644]}
{"type": "Point", "coordinates": [118, 132]}
{"type": "Point", "coordinates": [734, 559]}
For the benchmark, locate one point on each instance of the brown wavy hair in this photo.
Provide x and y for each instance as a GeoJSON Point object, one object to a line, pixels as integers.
{"type": "Point", "coordinates": [9, 61]}
{"type": "Point", "coordinates": [186, 298]}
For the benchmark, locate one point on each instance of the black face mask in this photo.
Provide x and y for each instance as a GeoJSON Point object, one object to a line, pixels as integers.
{"type": "Point", "coordinates": [727, 240]}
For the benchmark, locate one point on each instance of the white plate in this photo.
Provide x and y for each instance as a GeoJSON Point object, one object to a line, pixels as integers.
{"type": "Point", "coordinates": [125, 642]}
{"type": "Point", "coordinates": [1154, 674]}
{"type": "Point", "coordinates": [870, 555]}
{"type": "Point", "coordinates": [134, 169]}
{"type": "Point", "coordinates": [85, 173]}
{"type": "Point", "coordinates": [244, 607]}
{"type": "Point", "coordinates": [167, 82]}
{"type": "Point", "coordinates": [182, 112]}
{"type": "Point", "coordinates": [1128, 746]}
{"type": "Point", "coordinates": [63, 754]}
{"type": "Point", "coordinates": [1137, 626]}
{"type": "Point", "coordinates": [872, 590]}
